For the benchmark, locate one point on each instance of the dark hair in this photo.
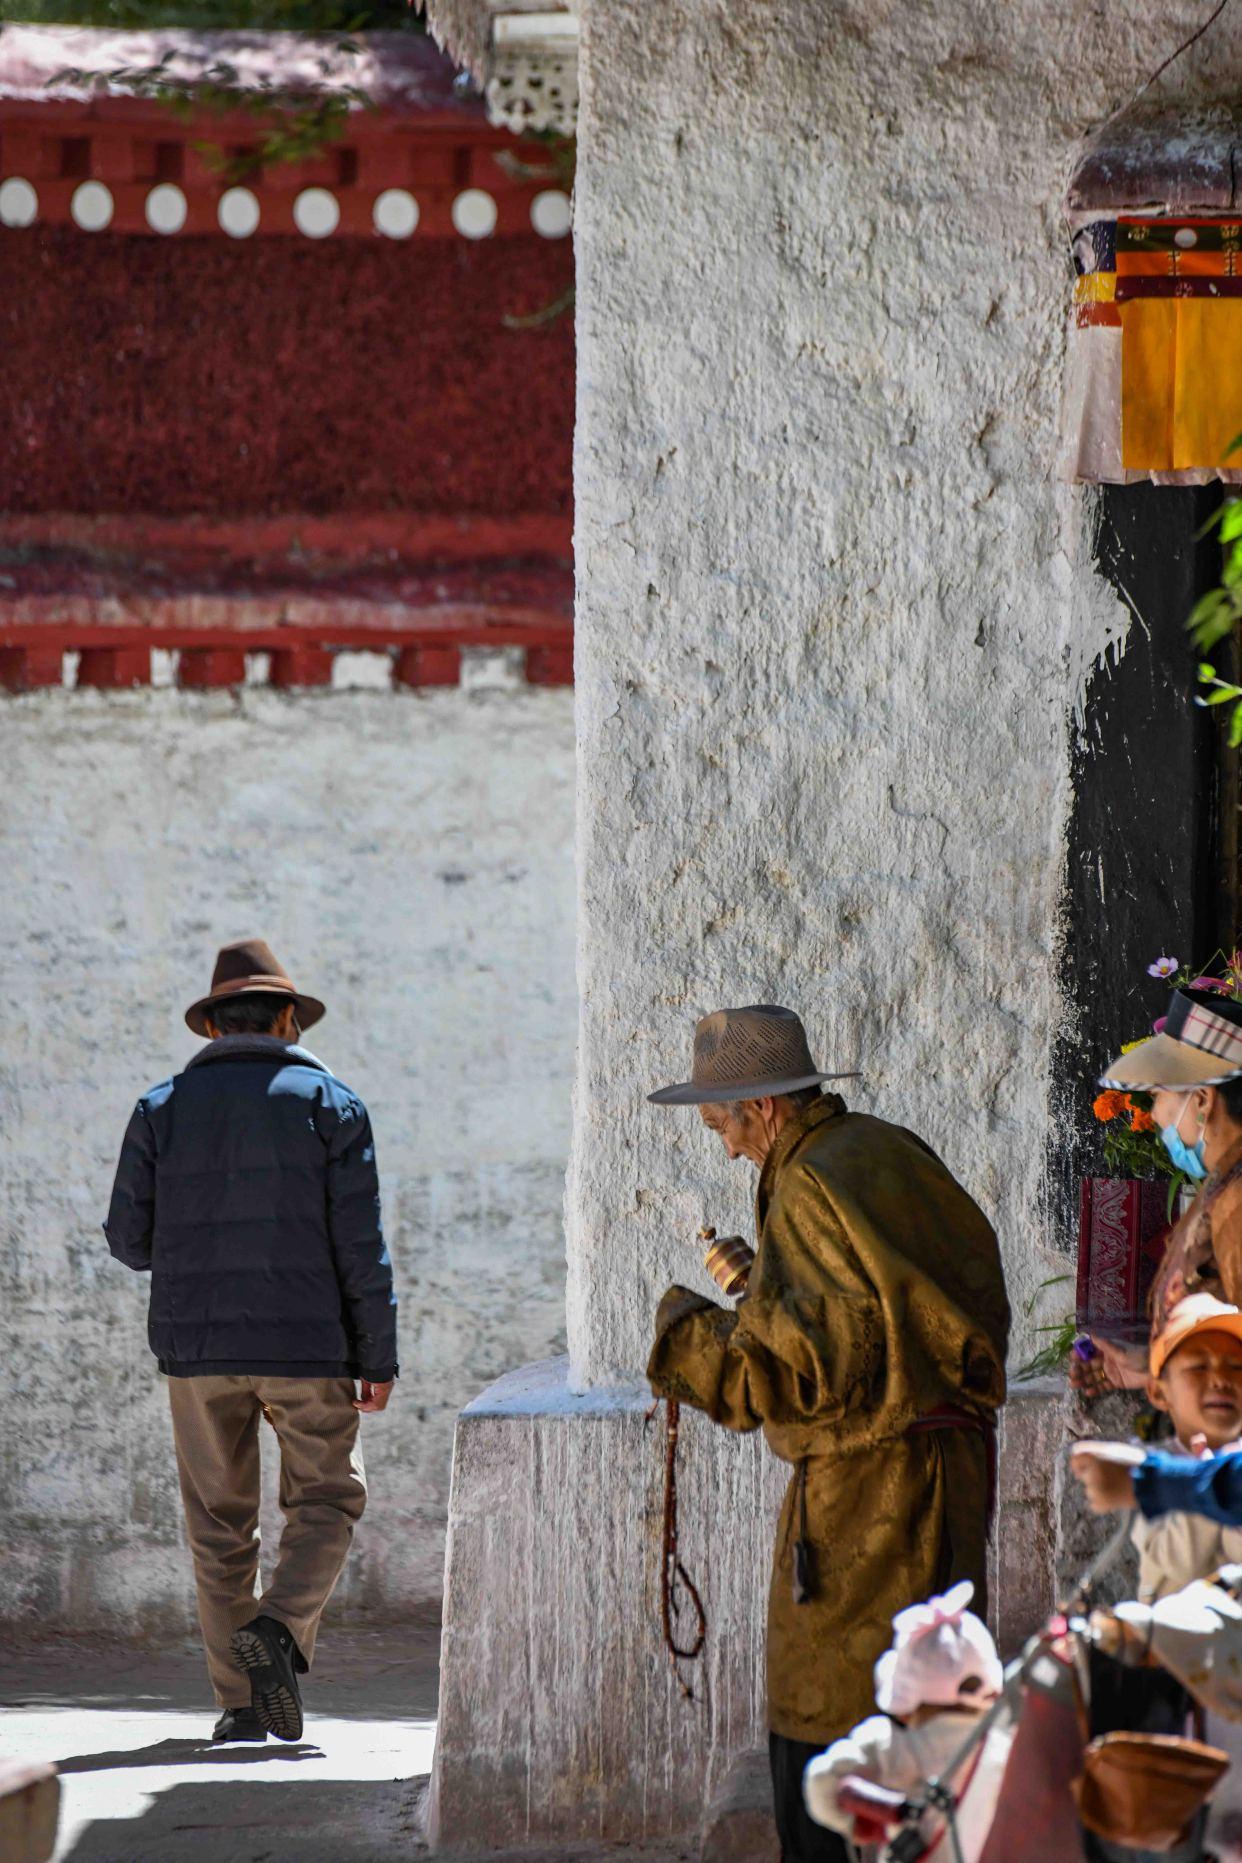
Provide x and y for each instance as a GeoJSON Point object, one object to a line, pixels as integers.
{"type": "Point", "coordinates": [800, 1096]}
{"type": "Point", "coordinates": [252, 1014]}
{"type": "Point", "coordinates": [1231, 1094]}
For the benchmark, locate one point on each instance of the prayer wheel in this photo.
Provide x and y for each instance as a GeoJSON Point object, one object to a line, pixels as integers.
{"type": "Point", "coordinates": [728, 1262]}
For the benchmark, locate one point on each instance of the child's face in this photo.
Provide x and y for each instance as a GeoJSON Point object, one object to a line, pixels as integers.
{"type": "Point", "coordinates": [1201, 1388]}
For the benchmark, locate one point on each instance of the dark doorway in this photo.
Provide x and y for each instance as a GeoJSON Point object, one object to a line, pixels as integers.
{"type": "Point", "coordinates": [1152, 855]}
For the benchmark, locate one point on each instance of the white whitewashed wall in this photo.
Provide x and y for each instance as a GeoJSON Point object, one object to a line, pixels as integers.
{"type": "Point", "coordinates": [834, 614]}
{"type": "Point", "coordinates": [410, 858]}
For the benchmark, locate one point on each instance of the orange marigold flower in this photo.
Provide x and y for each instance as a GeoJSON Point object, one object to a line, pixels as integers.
{"type": "Point", "coordinates": [1141, 1121]}
{"type": "Point", "coordinates": [1108, 1105]}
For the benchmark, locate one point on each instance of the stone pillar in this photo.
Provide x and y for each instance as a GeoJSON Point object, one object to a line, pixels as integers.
{"type": "Point", "coordinates": [833, 621]}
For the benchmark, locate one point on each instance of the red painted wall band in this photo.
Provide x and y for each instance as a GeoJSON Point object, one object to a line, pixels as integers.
{"type": "Point", "coordinates": [201, 377]}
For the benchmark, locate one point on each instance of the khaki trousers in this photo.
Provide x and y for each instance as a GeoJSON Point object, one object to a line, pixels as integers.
{"type": "Point", "coordinates": [323, 1491]}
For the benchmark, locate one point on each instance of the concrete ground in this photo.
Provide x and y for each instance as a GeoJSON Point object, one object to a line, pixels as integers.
{"type": "Point", "coordinates": [141, 1782]}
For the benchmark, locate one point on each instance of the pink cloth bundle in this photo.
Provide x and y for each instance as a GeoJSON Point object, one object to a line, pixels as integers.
{"type": "Point", "coordinates": [942, 1656]}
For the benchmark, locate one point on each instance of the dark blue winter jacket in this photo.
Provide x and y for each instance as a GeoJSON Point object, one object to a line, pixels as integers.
{"type": "Point", "coordinates": [247, 1185]}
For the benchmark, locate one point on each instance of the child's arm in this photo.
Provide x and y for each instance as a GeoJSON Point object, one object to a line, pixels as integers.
{"type": "Point", "coordinates": [874, 1750]}
{"type": "Point", "coordinates": [1165, 1484]}
{"type": "Point", "coordinates": [1118, 1475]}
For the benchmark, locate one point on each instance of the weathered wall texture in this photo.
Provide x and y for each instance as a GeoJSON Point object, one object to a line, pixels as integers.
{"type": "Point", "coordinates": [409, 857]}
{"type": "Point", "coordinates": [833, 615]}
{"type": "Point", "coordinates": [833, 621]}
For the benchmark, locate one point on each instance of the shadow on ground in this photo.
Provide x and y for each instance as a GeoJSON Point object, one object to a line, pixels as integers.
{"type": "Point", "coordinates": [322, 1821]}
{"type": "Point", "coordinates": [185, 1753]}
{"type": "Point", "coordinates": [141, 1781]}
{"type": "Point", "coordinates": [129, 1729]}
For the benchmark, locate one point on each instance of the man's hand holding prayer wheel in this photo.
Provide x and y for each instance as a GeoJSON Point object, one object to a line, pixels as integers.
{"type": "Point", "coordinates": [728, 1261]}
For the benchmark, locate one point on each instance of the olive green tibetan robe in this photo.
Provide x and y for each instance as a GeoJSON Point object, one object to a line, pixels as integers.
{"type": "Point", "coordinates": [876, 1294]}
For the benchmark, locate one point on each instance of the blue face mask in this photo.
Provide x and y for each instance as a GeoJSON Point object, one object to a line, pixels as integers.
{"type": "Point", "coordinates": [1187, 1158]}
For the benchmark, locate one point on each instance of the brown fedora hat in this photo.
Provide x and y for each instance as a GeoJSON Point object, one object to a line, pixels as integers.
{"type": "Point", "coordinates": [746, 1054]}
{"type": "Point", "coordinates": [248, 968]}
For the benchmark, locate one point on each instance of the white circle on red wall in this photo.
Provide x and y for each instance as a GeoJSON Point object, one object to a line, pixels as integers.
{"type": "Point", "coordinates": [395, 213]}
{"type": "Point", "coordinates": [165, 208]}
{"type": "Point", "coordinates": [551, 214]}
{"type": "Point", "coordinates": [474, 214]}
{"type": "Point", "coordinates": [316, 213]}
{"type": "Point", "coordinates": [91, 206]}
{"type": "Point", "coordinates": [238, 212]}
{"type": "Point", "coordinates": [19, 204]}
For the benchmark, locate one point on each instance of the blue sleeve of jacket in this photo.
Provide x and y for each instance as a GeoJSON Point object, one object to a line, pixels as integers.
{"type": "Point", "coordinates": [363, 1264]}
{"type": "Point", "coordinates": [1175, 1484]}
{"type": "Point", "coordinates": [131, 1213]}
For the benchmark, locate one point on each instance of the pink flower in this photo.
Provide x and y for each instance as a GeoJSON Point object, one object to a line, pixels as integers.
{"type": "Point", "coordinates": [1211, 983]}
{"type": "Point", "coordinates": [1163, 967]}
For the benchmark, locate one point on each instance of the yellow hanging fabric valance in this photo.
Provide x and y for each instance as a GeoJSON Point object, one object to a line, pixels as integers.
{"type": "Point", "coordinates": [1153, 384]}
{"type": "Point", "coordinates": [1179, 287]}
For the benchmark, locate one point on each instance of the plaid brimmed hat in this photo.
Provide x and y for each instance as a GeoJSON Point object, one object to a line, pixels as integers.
{"type": "Point", "coordinates": [1200, 1045]}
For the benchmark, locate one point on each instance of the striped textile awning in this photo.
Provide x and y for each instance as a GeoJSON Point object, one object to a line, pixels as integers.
{"type": "Point", "coordinates": [1153, 380]}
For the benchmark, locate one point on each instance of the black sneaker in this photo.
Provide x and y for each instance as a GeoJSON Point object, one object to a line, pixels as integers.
{"type": "Point", "coordinates": [239, 1724]}
{"type": "Point", "coordinates": [265, 1652]}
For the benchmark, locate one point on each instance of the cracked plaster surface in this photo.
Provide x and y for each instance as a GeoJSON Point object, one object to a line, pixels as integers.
{"type": "Point", "coordinates": [410, 859]}
{"type": "Point", "coordinates": [835, 618]}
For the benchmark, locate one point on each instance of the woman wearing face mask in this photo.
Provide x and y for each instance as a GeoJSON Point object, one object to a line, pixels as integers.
{"type": "Point", "coordinates": [1193, 1071]}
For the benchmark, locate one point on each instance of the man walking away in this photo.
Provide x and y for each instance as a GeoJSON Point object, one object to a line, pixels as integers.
{"type": "Point", "coordinates": [247, 1187]}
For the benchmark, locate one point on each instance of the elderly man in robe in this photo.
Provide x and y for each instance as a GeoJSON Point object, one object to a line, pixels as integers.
{"type": "Point", "coordinates": [870, 1346]}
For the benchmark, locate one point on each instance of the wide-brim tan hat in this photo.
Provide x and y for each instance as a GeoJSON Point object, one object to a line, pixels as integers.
{"type": "Point", "coordinates": [746, 1054]}
{"type": "Point", "coordinates": [1195, 1314]}
{"type": "Point", "coordinates": [249, 968]}
{"type": "Point", "coordinates": [1200, 1045]}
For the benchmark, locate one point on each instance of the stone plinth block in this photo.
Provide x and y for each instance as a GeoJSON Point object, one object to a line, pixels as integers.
{"type": "Point", "coordinates": [1022, 1566]}
{"type": "Point", "coordinates": [739, 1826]}
{"type": "Point", "coordinates": [1081, 1535]}
{"type": "Point", "coordinates": [29, 1812]}
{"type": "Point", "coordinates": [560, 1716]}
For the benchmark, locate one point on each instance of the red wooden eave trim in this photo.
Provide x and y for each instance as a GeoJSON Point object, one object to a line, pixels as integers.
{"type": "Point", "coordinates": [341, 537]}
{"type": "Point", "coordinates": [298, 588]}
{"type": "Point", "coordinates": [415, 134]}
